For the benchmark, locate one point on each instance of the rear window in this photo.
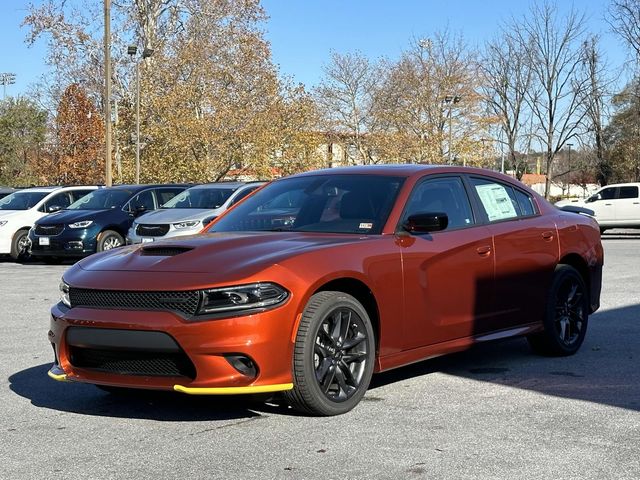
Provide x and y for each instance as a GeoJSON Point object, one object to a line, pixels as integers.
{"type": "Point", "coordinates": [628, 192]}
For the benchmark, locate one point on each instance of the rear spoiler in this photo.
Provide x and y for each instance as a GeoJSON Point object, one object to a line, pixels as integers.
{"type": "Point", "coordinates": [576, 209]}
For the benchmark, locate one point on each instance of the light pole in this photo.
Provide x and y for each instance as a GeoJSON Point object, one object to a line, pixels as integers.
{"type": "Point", "coordinates": [132, 50]}
{"type": "Point", "coordinates": [7, 79]}
{"type": "Point", "coordinates": [107, 92]}
{"type": "Point", "coordinates": [451, 100]}
{"type": "Point", "coordinates": [569, 145]}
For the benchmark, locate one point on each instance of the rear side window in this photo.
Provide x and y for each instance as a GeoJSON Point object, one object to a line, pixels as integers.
{"type": "Point", "coordinates": [628, 192]}
{"type": "Point", "coordinates": [60, 200]}
{"type": "Point", "coordinates": [498, 200]}
{"type": "Point", "coordinates": [525, 202]}
{"type": "Point", "coordinates": [441, 195]}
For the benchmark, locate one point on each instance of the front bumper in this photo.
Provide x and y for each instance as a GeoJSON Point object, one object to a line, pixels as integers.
{"type": "Point", "coordinates": [78, 242]}
{"type": "Point", "coordinates": [265, 338]}
{"type": "Point", "coordinates": [134, 238]}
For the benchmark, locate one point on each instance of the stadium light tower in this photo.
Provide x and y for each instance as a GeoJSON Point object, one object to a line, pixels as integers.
{"type": "Point", "coordinates": [6, 79]}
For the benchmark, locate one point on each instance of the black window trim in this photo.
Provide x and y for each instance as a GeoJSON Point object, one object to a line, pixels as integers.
{"type": "Point", "coordinates": [482, 212]}
{"type": "Point", "coordinates": [428, 177]}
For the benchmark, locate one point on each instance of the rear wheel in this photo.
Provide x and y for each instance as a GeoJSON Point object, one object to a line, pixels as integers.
{"type": "Point", "coordinates": [333, 356]}
{"type": "Point", "coordinates": [566, 317]}
{"type": "Point", "coordinates": [20, 245]}
{"type": "Point", "coordinates": [108, 240]}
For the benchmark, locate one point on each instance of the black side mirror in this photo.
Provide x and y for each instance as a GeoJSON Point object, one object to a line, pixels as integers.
{"type": "Point", "coordinates": [54, 208]}
{"type": "Point", "coordinates": [426, 222]}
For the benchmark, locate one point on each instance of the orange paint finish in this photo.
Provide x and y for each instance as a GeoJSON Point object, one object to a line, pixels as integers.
{"type": "Point", "coordinates": [429, 294]}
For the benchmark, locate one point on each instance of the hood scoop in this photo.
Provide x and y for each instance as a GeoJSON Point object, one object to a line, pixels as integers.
{"type": "Point", "coordinates": [163, 251]}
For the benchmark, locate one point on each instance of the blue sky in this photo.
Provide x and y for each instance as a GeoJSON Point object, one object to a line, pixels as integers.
{"type": "Point", "coordinates": [304, 32]}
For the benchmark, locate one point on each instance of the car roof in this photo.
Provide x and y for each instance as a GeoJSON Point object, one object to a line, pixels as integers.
{"type": "Point", "coordinates": [401, 170]}
{"type": "Point", "coordinates": [136, 188]}
{"type": "Point", "coordinates": [233, 185]}
{"type": "Point", "coordinates": [40, 189]}
{"type": "Point", "coordinates": [629, 184]}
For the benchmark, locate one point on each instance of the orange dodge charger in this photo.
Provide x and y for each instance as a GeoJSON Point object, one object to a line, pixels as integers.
{"type": "Point", "coordinates": [316, 281]}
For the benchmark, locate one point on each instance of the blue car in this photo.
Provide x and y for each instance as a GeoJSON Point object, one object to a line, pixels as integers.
{"type": "Point", "coordinates": [97, 222]}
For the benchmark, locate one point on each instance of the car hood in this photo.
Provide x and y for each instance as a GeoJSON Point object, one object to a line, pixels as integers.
{"type": "Point", "coordinates": [220, 254]}
{"type": "Point", "coordinates": [172, 215]}
{"type": "Point", "coordinates": [72, 216]}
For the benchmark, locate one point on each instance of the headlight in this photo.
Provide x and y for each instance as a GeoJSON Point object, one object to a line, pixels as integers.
{"type": "Point", "coordinates": [185, 225]}
{"type": "Point", "coordinates": [243, 297]}
{"type": "Point", "coordinates": [3, 222]}
{"type": "Point", "coordinates": [64, 294]}
{"type": "Point", "coordinates": [82, 224]}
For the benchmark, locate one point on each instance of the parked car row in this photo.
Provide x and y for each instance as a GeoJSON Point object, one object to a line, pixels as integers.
{"type": "Point", "coordinates": [52, 223]}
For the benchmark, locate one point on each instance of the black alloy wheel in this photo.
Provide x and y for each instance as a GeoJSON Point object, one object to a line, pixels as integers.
{"type": "Point", "coordinates": [334, 355]}
{"type": "Point", "coordinates": [567, 314]}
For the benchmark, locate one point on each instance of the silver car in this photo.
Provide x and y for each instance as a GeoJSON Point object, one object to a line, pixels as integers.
{"type": "Point", "coordinates": [188, 212]}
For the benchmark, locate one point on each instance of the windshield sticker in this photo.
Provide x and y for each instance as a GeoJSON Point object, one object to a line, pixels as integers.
{"type": "Point", "coordinates": [366, 226]}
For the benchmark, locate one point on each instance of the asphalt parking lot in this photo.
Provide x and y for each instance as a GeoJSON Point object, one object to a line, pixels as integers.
{"type": "Point", "coordinates": [497, 411]}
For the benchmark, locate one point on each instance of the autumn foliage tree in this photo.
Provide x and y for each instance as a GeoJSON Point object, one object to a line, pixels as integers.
{"type": "Point", "coordinates": [75, 156]}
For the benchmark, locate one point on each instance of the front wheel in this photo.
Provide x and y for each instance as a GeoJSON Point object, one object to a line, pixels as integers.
{"type": "Point", "coordinates": [333, 357]}
{"type": "Point", "coordinates": [566, 316]}
{"type": "Point", "coordinates": [108, 240]}
{"type": "Point", "coordinates": [20, 245]}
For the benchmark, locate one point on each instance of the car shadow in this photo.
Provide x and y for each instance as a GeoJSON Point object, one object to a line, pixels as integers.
{"type": "Point", "coordinates": [604, 371]}
{"type": "Point", "coordinates": [33, 384]}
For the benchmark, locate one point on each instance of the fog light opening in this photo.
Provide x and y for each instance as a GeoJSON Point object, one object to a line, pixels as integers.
{"type": "Point", "coordinates": [243, 364]}
{"type": "Point", "coordinates": [75, 245]}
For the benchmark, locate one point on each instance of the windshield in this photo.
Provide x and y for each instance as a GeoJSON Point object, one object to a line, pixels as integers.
{"type": "Point", "coordinates": [21, 200]}
{"type": "Point", "coordinates": [102, 199]}
{"type": "Point", "coordinates": [321, 203]}
{"type": "Point", "coordinates": [207, 198]}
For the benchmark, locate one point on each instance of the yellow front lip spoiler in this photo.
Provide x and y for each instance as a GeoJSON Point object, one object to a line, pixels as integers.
{"type": "Point", "coordinates": [58, 374]}
{"type": "Point", "coordinates": [280, 387]}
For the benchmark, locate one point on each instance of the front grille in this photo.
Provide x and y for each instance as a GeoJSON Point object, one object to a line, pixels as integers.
{"type": "Point", "coordinates": [152, 230]}
{"type": "Point", "coordinates": [185, 303]}
{"type": "Point", "coordinates": [129, 362]}
{"type": "Point", "coordinates": [49, 229]}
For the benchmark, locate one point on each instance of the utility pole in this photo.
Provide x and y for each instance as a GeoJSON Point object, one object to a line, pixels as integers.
{"type": "Point", "coordinates": [451, 100]}
{"type": "Point", "coordinates": [107, 92]}
{"type": "Point", "coordinates": [132, 50]}
{"type": "Point", "coordinates": [6, 79]}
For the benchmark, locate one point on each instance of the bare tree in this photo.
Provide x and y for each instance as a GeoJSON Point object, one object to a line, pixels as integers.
{"type": "Point", "coordinates": [507, 79]}
{"type": "Point", "coordinates": [555, 55]}
{"type": "Point", "coordinates": [624, 18]}
{"type": "Point", "coordinates": [345, 97]}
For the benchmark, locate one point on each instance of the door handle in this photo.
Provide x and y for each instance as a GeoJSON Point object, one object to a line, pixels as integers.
{"type": "Point", "coordinates": [484, 251]}
{"type": "Point", "coordinates": [547, 235]}
{"type": "Point", "coordinates": [636, 203]}
{"type": "Point", "coordinates": [608, 204]}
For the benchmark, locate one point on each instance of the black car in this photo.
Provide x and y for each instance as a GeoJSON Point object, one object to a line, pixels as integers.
{"type": "Point", "coordinates": [96, 222]}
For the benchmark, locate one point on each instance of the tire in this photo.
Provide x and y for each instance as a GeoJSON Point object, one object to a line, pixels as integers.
{"type": "Point", "coordinates": [108, 240]}
{"type": "Point", "coordinates": [333, 355]}
{"type": "Point", "coordinates": [566, 315]}
{"type": "Point", "coordinates": [20, 246]}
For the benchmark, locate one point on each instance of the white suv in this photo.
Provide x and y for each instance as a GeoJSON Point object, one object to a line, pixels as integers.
{"type": "Point", "coordinates": [614, 206]}
{"type": "Point", "coordinates": [20, 210]}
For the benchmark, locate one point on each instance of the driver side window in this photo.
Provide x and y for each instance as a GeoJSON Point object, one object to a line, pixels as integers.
{"type": "Point", "coordinates": [442, 195]}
